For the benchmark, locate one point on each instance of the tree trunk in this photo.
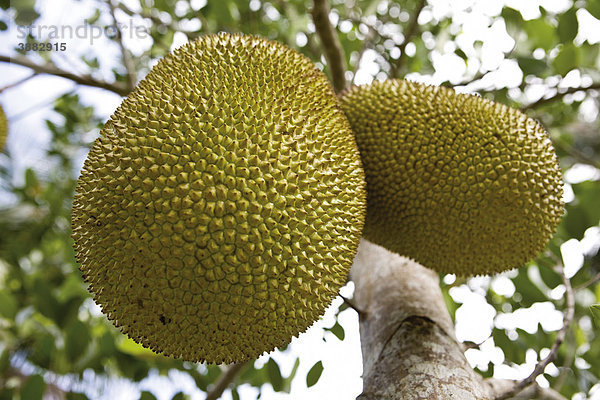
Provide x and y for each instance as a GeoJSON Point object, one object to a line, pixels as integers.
{"type": "Point", "coordinates": [407, 336]}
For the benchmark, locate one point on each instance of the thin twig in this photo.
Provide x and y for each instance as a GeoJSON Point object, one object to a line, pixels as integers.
{"type": "Point", "coordinates": [351, 305]}
{"type": "Point", "coordinates": [358, 21]}
{"type": "Point", "coordinates": [560, 337]}
{"type": "Point", "coordinates": [17, 83]}
{"type": "Point", "coordinates": [37, 106]}
{"type": "Point", "coordinates": [565, 368]}
{"type": "Point", "coordinates": [155, 20]}
{"type": "Point", "coordinates": [224, 380]}
{"type": "Point", "coordinates": [579, 157]}
{"type": "Point", "coordinates": [330, 42]}
{"type": "Point", "coordinates": [365, 45]}
{"type": "Point", "coordinates": [534, 391]}
{"type": "Point", "coordinates": [593, 280]}
{"type": "Point", "coordinates": [411, 31]}
{"type": "Point", "coordinates": [51, 69]}
{"type": "Point", "coordinates": [560, 95]}
{"type": "Point", "coordinates": [467, 345]}
{"type": "Point", "coordinates": [127, 60]}
{"type": "Point", "coordinates": [478, 76]}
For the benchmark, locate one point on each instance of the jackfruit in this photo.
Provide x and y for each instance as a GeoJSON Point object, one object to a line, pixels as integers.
{"type": "Point", "coordinates": [459, 183]}
{"type": "Point", "coordinates": [3, 128]}
{"type": "Point", "coordinates": [219, 212]}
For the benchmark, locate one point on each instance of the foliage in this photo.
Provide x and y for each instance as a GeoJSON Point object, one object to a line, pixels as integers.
{"type": "Point", "coordinates": [51, 333]}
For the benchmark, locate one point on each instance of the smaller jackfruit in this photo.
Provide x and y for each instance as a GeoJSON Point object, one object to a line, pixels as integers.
{"type": "Point", "coordinates": [459, 183]}
{"type": "Point", "coordinates": [3, 129]}
{"type": "Point", "coordinates": [219, 212]}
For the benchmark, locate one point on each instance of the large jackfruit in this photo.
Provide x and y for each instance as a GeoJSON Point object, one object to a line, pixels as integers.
{"type": "Point", "coordinates": [459, 183]}
{"type": "Point", "coordinates": [218, 214]}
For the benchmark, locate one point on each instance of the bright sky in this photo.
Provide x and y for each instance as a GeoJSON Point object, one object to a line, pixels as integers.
{"type": "Point", "coordinates": [29, 104]}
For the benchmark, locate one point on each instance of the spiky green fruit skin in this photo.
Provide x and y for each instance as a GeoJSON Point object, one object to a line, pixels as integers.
{"type": "Point", "coordinates": [3, 129]}
{"type": "Point", "coordinates": [459, 183]}
{"type": "Point", "coordinates": [219, 212]}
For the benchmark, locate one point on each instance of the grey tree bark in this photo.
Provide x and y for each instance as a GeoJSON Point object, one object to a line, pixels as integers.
{"type": "Point", "coordinates": [408, 343]}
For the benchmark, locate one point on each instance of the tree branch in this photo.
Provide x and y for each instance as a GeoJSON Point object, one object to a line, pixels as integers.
{"type": "Point", "coordinates": [351, 304]}
{"type": "Point", "coordinates": [560, 95]}
{"type": "Point", "coordinates": [17, 83]}
{"type": "Point", "coordinates": [224, 380]}
{"type": "Point", "coordinates": [127, 60]}
{"type": "Point", "coordinates": [411, 31]}
{"type": "Point", "coordinates": [51, 69]}
{"type": "Point", "coordinates": [478, 76]}
{"type": "Point", "coordinates": [579, 157]}
{"type": "Point", "coordinates": [560, 337]}
{"type": "Point", "coordinates": [534, 391]}
{"type": "Point", "coordinates": [406, 334]}
{"type": "Point", "coordinates": [565, 368]}
{"type": "Point", "coordinates": [593, 280]}
{"type": "Point", "coordinates": [334, 53]}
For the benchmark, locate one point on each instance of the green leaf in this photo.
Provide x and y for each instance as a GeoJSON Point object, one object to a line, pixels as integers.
{"type": "Point", "coordinates": [567, 26]}
{"type": "Point", "coordinates": [529, 290]}
{"type": "Point", "coordinates": [595, 310]}
{"type": "Point", "coordinates": [511, 16]}
{"type": "Point", "coordinates": [450, 303]}
{"type": "Point", "coordinates": [94, 18]}
{"type": "Point", "coordinates": [43, 350]}
{"type": "Point", "coordinates": [541, 33]}
{"type": "Point", "coordinates": [180, 396]}
{"type": "Point", "coordinates": [461, 54]}
{"type": "Point", "coordinates": [77, 339]}
{"type": "Point", "coordinates": [8, 305]}
{"type": "Point", "coordinates": [566, 59]}
{"type": "Point", "coordinates": [588, 193]}
{"type": "Point", "coordinates": [225, 12]}
{"type": "Point", "coordinates": [337, 330]}
{"type": "Point", "coordinates": [147, 396]}
{"type": "Point", "coordinates": [4, 360]}
{"type": "Point", "coordinates": [91, 62]}
{"type": "Point", "coordinates": [33, 388]}
{"type": "Point", "coordinates": [213, 372]}
{"type": "Point", "coordinates": [584, 212]}
{"type": "Point", "coordinates": [532, 66]}
{"type": "Point", "coordinates": [274, 374]}
{"type": "Point", "coordinates": [164, 5]}
{"type": "Point", "coordinates": [314, 374]}
{"type": "Point", "coordinates": [574, 221]}
{"type": "Point", "coordinates": [76, 396]}
{"type": "Point", "coordinates": [593, 6]}
{"type": "Point", "coordinates": [107, 344]}
{"type": "Point", "coordinates": [589, 54]}
{"type": "Point", "coordinates": [30, 178]}
{"type": "Point", "coordinates": [368, 7]}
{"type": "Point", "coordinates": [549, 276]}
{"type": "Point", "coordinates": [45, 301]}
{"type": "Point", "coordinates": [25, 12]}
